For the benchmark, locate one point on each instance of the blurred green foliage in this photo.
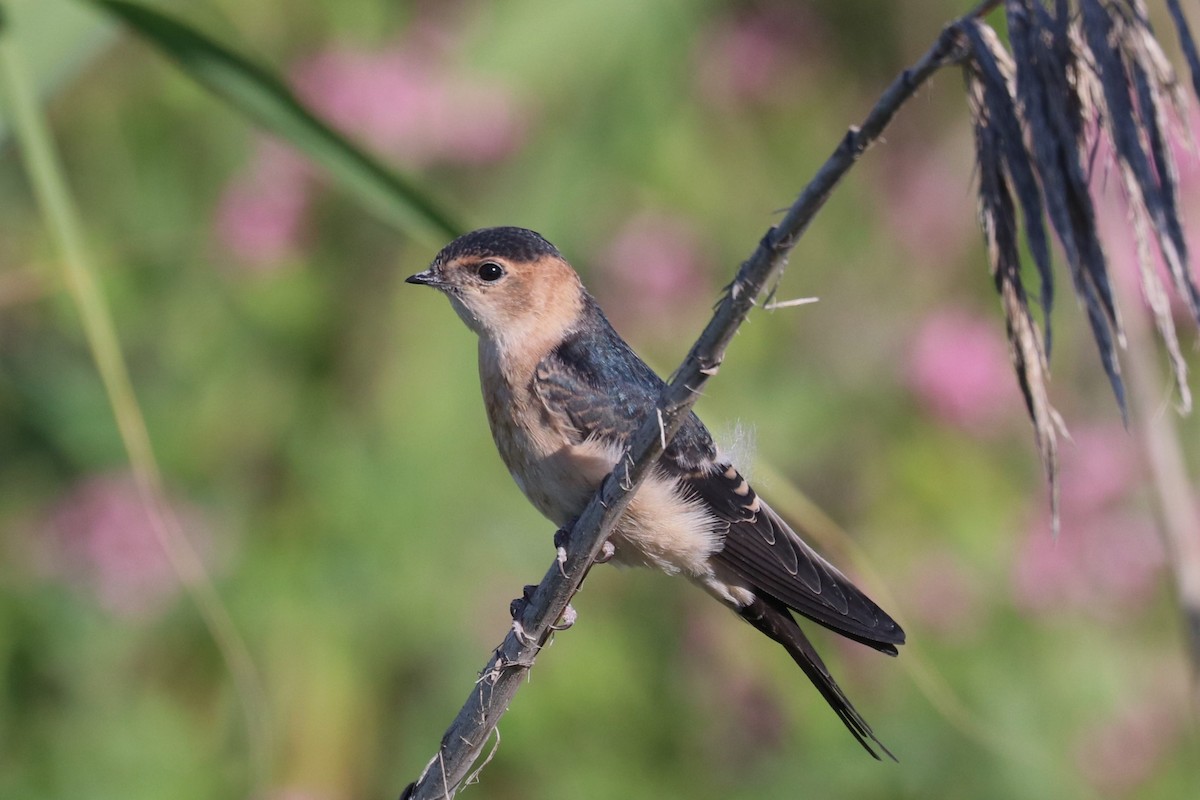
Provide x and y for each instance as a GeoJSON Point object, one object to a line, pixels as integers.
{"type": "Point", "coordinates": [320, 428]}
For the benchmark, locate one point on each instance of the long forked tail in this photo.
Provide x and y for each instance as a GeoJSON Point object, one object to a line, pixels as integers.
{"type": "Point", "coordinates": [772, 618]}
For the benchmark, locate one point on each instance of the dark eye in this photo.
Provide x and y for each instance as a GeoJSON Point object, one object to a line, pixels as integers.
{"type": "Point", "coordinates": [490, 271]}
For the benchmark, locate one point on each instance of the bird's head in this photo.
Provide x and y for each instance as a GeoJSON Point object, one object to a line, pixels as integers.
{"type": "Point", "coordinates": [507, 284]}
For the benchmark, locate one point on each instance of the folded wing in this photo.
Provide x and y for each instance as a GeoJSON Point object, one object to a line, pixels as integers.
{"type": "Point", "coordinates": [765, 552]}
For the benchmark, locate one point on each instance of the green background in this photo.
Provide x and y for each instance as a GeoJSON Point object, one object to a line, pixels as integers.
{"type": "Point", "coordinates": [321, 435]}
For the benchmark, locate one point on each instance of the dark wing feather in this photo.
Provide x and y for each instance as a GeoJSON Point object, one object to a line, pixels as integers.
{"type": "Point", "coordinates": [772, 618]}
{"type": "Point", "coordinates": [762, 550]}
{"type": "Point", "coordinates": [594, 383]}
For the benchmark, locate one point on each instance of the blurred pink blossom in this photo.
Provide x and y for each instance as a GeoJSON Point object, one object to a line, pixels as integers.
{"type": "Point", "coordinates": [656, 263]}
{"type": "Point", "coordinates": [943, 594]}
{"type": "Point", "coordinates": [1099, 466]}
{"type": "Point", "coordinates": [927, 202]}
{"type": "Point", "coordinates": [959, 369]}
{"type": "Point", "coordinates": [260, 215]}
{"type": "Point", "coordinates": [102, 538]}
{"type": "Point", "coordinates": [408, 102]}
{"type": "Point", "coordinates": [748, 56]}
{"type": "Point", "coordinates": [1105, 564]}
{"type": "Point", "coordinates": [1123, 752]}
{"type": "Point", "coordinates": [751, 719]}
{"type": "Point", "coordinates": [1107, 557]}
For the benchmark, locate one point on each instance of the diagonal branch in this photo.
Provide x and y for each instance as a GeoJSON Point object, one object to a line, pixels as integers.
{"type": "Point", "coordinates": [489, 698]}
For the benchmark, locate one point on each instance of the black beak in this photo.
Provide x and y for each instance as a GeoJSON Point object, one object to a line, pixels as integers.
{"type": "Point", "coordinates": [426, 278]}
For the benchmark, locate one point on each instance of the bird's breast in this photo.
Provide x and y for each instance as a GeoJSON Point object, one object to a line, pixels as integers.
{"type": "Point", "coordinates": [663, 527]}
{"type": "Point", "coordinates": [556, 475]}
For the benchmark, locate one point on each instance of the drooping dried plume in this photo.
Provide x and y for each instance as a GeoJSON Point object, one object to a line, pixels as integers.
{"type": "Point", "coordinates": [1078, 73]}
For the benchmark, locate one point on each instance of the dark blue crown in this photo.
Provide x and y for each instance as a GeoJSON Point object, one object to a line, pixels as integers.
{"type": "Point", "coordinates": [513, 244]}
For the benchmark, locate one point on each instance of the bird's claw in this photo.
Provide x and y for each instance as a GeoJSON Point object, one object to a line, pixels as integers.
{"type": "Point", "coordinates": [562, 535]}
{"type": "Point", "coordinates": [560, 547]}
{"type": "Point", "coordinates": [607, 550]}
{"type": "Point", "coordinates": [567, 619]}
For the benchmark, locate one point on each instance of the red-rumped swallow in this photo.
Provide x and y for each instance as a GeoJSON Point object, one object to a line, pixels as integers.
{"type": "Point", "coordinates": [564, 393]}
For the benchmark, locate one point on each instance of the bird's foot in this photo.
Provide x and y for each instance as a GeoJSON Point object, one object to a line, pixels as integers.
{"type": "Point", "coordinates": [517, 607]}
{"type": "Point", "coordinates": [560, 546]}
{"type": "Point", "coordinates": [567, 619]}
{"type": "Point", "coordinates": [562, 535]}
{"type": "Point", "coordinates": [607, 550]}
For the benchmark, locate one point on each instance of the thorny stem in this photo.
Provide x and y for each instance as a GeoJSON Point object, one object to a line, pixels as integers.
{"type": "Point", "coordinates": [463, 742]}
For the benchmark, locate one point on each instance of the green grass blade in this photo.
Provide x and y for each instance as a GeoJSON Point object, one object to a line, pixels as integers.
{"type": "Point", "coordinates": [63, 40]}
{"type": "Point", "coordinates": [263, 97]}
{"type": "Point", "coordinates": [40, 157]}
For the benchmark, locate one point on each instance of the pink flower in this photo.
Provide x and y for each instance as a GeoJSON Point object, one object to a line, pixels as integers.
{"type": "Point", "coordinates": [260, 215]}
{"type": "Point", "coordinates": [943, 594]}
{"type": "Point", "coordinates": [102, 538]}
{"type": "Point", "coordinates": [406, 102]}
{"type": "Point", "coordinates": [1108, 556]}
{"type": "Point", "coordinates": [749, 55]}
{"type": "Point", "coordinates": [749, 714]}
{"type": "Point", "coordinates": [477, 123]}
{"type": "Point", "coordinates": [654, 262]}
{"type": "Point", "coordinates": [1099, 465]}
{"type": "Point", "coordinates": [927, 204]}
{"type": "Point", "coordinates": [1104, 564]}
{"type": "Point", "coordinates": [959, 370]}
{"type": "Point", "coordinates": [1122, 752]}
